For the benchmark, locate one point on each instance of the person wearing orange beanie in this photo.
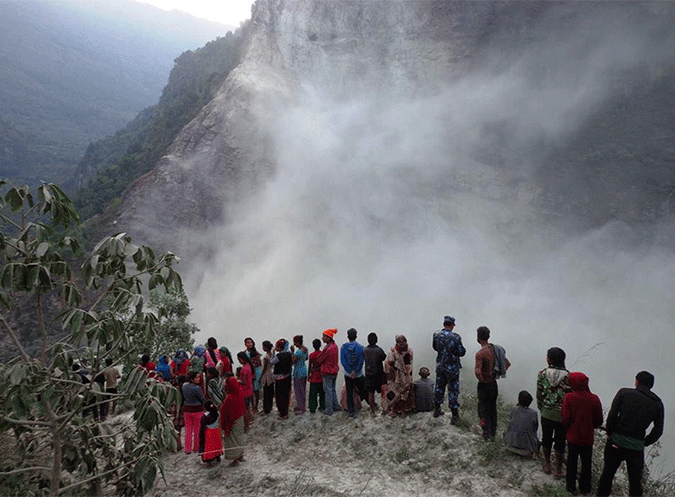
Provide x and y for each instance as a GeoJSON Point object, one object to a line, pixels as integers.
{"type": "Point", "coordinates": [329, 370]}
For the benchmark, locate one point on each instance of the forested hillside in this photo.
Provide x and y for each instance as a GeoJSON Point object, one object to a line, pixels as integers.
{"type": "Point", "coordinates": [111, 164]}
{"type": "Point", "coordinates": [74, 72]}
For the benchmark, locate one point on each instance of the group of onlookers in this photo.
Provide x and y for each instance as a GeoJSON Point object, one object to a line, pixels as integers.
{"type": "Point", "coordinates": [570, 414]}
{"type": "Point", "coordinates": [219, 401]}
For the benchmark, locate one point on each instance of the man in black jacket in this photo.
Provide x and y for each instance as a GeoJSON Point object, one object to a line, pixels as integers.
{"type": "Point", "coordinates": [632, 411]}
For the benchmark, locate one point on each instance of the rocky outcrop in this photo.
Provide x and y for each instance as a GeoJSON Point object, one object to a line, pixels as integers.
{"type": "Point", "coordinates": [560, 106]}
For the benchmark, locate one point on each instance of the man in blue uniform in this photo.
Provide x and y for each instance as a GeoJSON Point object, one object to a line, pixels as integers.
{"type": "Point", "coordinates": [448, 345]}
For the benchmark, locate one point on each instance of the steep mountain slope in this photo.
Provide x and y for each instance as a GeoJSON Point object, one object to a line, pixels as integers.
{"type": "Point", "coordinates": [111, 164]}
{"type": "Point", "coordinates": [534, 102]}
{"type": "Point", "coordinates": [74, 72]}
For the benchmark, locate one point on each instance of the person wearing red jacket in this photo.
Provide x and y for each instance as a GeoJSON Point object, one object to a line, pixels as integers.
{"type": "Point", "coordinates": [329, 370]}
{"type": "Point", "coordinates": [581, 415]}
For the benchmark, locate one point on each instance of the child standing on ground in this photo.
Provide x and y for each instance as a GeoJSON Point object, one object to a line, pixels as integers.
{"type": "Point", "coordinates": [210, 440]}
{"type": "Point", "coordinates": [315, 381]}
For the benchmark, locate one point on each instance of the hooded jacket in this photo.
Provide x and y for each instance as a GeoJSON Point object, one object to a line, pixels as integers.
{"type": "Point", "coordinates": [581, 411]}
{"type": "Point", "coordinates": [552, 384]}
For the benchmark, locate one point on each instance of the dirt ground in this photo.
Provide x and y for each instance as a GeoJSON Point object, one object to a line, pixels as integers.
{"type": "Point", "coordinates": [318, 455]}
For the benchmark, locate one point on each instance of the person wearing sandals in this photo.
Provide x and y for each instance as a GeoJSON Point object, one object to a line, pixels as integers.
{"type": "Point", "coordinates": [552, 385]}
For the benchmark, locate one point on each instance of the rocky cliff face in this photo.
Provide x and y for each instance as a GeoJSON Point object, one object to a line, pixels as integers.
{"type": "Point", "coordinates": [565, 107]}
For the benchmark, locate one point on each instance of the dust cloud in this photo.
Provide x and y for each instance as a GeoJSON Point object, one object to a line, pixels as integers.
{"type": "Point", "coordinates": [385, 212]}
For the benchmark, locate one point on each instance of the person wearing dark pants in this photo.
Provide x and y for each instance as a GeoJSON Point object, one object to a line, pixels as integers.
{"type": "Point", "coordinates": [352, 359]}
{"type": "Point", "coordinates": [487, 408]}
{"type": "Point", "coordinates": [581, 415]}
{"type": "Point", "coordinates": [450, 350]}
{"type": "Point", "coordinates": [267, 377]}
{"type": "Point", "coordinates": [282, 362]}
{"type": "Point", "coordinates": [315, 381]}
{"type": "Point", "coordinates": [633, 411]}
{"type": "Point", "coordinates": [491, 363]}
{"type": "Point", "coordinates": [552, 385]}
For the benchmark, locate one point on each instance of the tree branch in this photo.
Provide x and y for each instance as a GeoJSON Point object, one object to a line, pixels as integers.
{"type": "Point", "coordinates": [24, 470]}
{"type": "Point", "coordinates": [43, 329]}
{"type": "Point", "coordinates": [92, 478]}
{"type": "Point", "coordinates": [15, 338]}
{"type": "Point", "coordinates": [26, 422]}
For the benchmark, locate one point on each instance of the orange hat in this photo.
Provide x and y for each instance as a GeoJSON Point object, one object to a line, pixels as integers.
{"type": "Point", "coordinates": [330, 332]}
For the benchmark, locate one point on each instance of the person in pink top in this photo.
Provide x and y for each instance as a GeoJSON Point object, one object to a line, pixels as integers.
{"type": "Point", "coordinates": [329, 370]}
{"type": "Point", "coordinates": [315, 381]}
{"type": "Point", "coordinates": [212, 354]}
{"type": "Point", "coordinates": [246, 378]}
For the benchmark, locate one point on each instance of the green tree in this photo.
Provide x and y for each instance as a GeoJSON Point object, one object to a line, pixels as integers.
{"type": "Point", "coordinates": [173, 330]}
{"type": "Point", "coordinates": [57, 450]}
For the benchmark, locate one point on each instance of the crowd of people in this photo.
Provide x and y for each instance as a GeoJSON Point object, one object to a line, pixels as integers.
{"type": "Point", "coordinates": [220, 398]}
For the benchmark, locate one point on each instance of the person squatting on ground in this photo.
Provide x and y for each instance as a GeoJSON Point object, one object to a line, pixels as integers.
{"type": "Point", "coordinates": [552, 385]}
{"type": "Point", "coordinates": [448, 345]}
{"type": "Point", "coordinates": [491, 364]}
{"type": "Point", "coordinates": [193, 407]}
{"type": "Point", "coordinates": [423, 390]}
{"type": "Point", "coordinates": [581, 415]}
{"type": "Point", "coordinates": [299, 355]}
{"type": "Point", "coordinates": [352, 359]}
{"type": "Point", "coordinates": [373, 357]}
{"type": "Point", "coordinates": [521, 435]}
{"type": "Point", "coordinates": [398, 367]}
{"type": "Point", "coordinates": [632, 411]}
{"type": "Point", "coordinates": [232, 413]}
{"type": "Point", "coordinates": [283, 364]}
{"type": "Point", "coordinates": [315, 381]}
{"type": "Point", "coordinates": [329, 370]}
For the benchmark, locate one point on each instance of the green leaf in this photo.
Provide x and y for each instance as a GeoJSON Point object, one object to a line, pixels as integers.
{"type": "Point", "coordinates": [14, 199]}
{"type": "Point", "coordinates": [42, 249]}
{"type": "Point", "coordinates": [18, 374]}
{"type": "Point", "coordinates": [4, 299]}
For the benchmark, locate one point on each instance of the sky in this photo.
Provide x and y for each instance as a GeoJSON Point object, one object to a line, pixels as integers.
{"type": "Point", "coordinates": [230, 12]}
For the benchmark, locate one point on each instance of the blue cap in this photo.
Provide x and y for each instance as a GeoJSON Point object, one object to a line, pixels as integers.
{"type": "Point", "coordinates": [449, 320]}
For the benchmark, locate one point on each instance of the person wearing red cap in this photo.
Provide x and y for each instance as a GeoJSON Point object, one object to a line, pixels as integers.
{"type": "Point", "coordinates": [581, 415]}
{"type": "Point", "coordinates": [329, 370]}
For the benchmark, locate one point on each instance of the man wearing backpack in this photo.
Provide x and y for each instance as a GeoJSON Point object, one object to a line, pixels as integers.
{"type": "Point", "coordinates": [491, 364]}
